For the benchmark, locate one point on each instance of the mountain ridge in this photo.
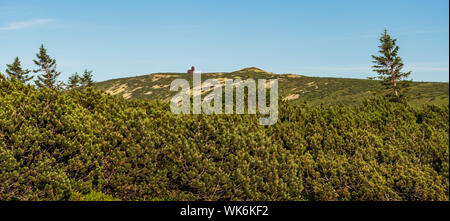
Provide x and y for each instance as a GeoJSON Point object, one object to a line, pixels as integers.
{"type": "Point", "coordinates": [292, 87]}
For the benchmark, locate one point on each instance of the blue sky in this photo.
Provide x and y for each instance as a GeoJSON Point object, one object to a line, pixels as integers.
{"type": "Point", "coordinates": [315, 38]}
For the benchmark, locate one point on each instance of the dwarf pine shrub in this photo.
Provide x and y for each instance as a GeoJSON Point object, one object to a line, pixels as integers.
{"type": "Point", "coordinates": [86, 145]}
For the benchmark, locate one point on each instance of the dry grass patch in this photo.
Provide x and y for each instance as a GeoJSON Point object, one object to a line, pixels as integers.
{"type": "Point", "coordinates": [291, 97]}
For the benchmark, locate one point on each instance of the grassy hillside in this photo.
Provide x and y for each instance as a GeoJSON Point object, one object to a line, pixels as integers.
{"type": "Point", "coordinates": [294, 88]}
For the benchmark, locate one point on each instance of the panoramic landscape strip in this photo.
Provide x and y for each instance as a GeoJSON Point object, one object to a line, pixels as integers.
{"type": "Point", "coordinates": [224, 109]}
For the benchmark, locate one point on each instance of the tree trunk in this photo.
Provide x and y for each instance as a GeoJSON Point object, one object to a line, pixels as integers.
{"type": "Point", "coordinates": [395, 88]}
{"type": "Point", "coordinates": [394, 82]}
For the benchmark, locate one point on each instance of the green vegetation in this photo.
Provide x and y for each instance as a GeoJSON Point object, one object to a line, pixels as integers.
{"type": "Point", "coordinates": [92, 196]}
{"type": "Point", "coordinates": [16, 72]}
{"type": "Point", "coordinates": [86, 145]}
{"type": "Point", "coordinates": [292, 88]}
{"type": "Point", "coordinates": [46, 66]}
{"type": "Point", "coordinates": [76, 81]}
{"type": "Point", "coordinates": [389, 68]}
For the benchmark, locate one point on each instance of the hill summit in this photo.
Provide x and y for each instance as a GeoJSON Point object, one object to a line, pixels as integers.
{"type": "Point", "coordinates": [251, 69]}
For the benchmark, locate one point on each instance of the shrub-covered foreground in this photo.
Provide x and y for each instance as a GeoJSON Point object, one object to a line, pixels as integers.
{"type": "Point", "coordinates": [89, 146]}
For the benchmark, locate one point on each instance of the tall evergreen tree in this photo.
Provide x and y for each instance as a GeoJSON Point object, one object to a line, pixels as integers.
{"type": "Point", "coordinates": [389, 67]}
{"type": "Point", "coordinates": [47, 66]}
{"type": "Point", "coordinates": [16, 72]}
{"type": "Point", "coordinates": [86, 79]}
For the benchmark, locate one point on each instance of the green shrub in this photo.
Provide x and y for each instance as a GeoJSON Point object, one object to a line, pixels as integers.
{"type": "Point", "coordinates": [92, 196]}
{"type": "Point", "coordinates": [85, 145]}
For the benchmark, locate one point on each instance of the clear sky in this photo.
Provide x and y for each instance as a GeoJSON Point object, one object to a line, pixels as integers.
{"type": "Point", "coordinates": [315, 38]}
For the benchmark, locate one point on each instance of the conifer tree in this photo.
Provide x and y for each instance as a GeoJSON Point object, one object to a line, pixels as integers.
{"type": "Point", "coordinates": [47, 66]}
{"type": "Point", "coordinates": [86, 79]}
{"type": "Point", "coordinates": [16, 72]}
{"type": "Point", "coordinates": [74, 81]}
{"type": "Point", "coordinates": [389, 67]}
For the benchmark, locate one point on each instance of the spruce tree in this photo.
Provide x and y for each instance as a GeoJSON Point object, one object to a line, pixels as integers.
{"type": "Point", "coordinates": [16, 72]}
{"type": "Point", "coordinates": [47, 66]}
{"type": "Point", "coordinates": [74, 81]}
{"type": "Point", "coordinates": [86, 79]}
{"type": "Point", "coordinates": [389, 67]}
